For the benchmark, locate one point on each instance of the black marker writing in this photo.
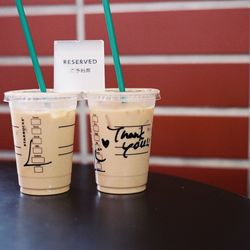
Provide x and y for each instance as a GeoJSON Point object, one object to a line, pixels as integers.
{"type": "Point", "coordinates": [97, 143]}
{"type": "Point", "coordinates": [139, 144]}
{"type": "Point", "coordinates": [122, 133]}
{"type": "Point", "coordinates": [97, 157]}
{"type": "Point", "coordinates": [27, 164]}
{"type": "Point", "coordinates": [127, 135]}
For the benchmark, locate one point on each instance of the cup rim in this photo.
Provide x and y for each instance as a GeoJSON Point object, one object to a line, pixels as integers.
{"type": "Point", "coordinates": [130, 93]}
{"type": "Point", "coordinates": [30, 95]}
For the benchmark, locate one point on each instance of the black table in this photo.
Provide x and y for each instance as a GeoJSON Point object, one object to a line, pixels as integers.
{"type": "Point", "coordinates": [172, 214]}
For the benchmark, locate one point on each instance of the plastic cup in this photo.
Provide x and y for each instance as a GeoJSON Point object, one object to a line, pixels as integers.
{"type": "Point", "coordinates": [43, 130]}
{"type": "Point", "coordinates": [121, 126]}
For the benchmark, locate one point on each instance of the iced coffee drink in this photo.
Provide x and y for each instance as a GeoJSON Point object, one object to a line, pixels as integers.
{"type": "Point", "coordinates": [43, 130]}
{"type": "Point", "coordinates": [121, 128]}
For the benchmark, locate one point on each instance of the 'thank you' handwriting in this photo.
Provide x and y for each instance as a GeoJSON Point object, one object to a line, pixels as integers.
{"type": "Point", "coordinates": [124, 133]}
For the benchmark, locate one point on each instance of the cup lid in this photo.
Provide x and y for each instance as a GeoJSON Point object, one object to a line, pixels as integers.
{"type": "Point", "coordinates": [133, 94]}
{"type": "Point", "coordinates": [30, 95]}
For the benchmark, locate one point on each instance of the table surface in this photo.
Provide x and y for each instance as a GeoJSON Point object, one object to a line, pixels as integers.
{"type": "Point", "coordinates": [173, 213]}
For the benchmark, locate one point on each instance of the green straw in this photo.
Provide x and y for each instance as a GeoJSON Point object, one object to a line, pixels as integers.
{"type": "Point", "coordinates": [30, 45]}
{"type": "Point", "coordinates": [113, 45]}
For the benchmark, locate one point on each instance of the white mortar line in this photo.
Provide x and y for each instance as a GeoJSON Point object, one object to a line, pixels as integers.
{"type": "Point", "coordinates": [125, 7]}
{"type": "Point", "coordinates": [77, 157]}
{"type": "Point", "coordinates": [90, 158]}
{"type": "Point", "coordinates": [202, 111]}
{"type": "Point", "coordinates": [25, 60]}
{"type": "Point", "coordinates": [83, 133]}
{"type": "Point", "coordinates": [80, 26]}
{"type": "Point", "coordinates": [171, 111]}
{"type": "Point", "coordinates": [7, 155]}
{"type": "Point", "coordinates": [200, 162]}
{"type": "Point", "coordinates": [248, 179]}
{"type": "Point", "coordinates": [168, 6]}
{"type": "Point", "coordinates": [194, 162]}
{"type": "Point", "coordinates": [39, 10]}
{"type": "Point", "coordinates": [181, 59]}
{"type": "Point", "coordinates": [4, 109]}
{"type": "Point", "coordinates": [141, 59]}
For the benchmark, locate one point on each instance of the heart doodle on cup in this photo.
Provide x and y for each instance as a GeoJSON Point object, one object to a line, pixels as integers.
{"type": "Point", "coordinates": [105, 143]}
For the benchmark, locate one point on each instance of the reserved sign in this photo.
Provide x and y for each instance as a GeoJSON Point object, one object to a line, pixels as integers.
{"type": "Point", "coordinates": [79, 66]}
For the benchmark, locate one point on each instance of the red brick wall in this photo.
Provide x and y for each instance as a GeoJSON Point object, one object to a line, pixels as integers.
{"type": "Point", "coordinates": [196, 53]}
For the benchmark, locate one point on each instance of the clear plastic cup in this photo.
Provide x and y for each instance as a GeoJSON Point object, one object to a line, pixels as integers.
{"type": "Point", "coordinates": [43, 130]}
{"type": "Point", "coordinates": [121, 126]}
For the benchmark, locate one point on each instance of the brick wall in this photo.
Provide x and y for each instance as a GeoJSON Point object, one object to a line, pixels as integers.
{"type": "Point", "coordinates": [196, 53]}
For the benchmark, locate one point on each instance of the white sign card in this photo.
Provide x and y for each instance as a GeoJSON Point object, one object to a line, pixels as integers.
{"type": "Point", "coordinates": [79, 66]}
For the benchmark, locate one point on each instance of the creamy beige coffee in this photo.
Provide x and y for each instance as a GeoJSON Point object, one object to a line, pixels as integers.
{"type": "Point", "coordinates": [121, 138]}
{"type": "Point", "coordinates": [43, 131]}
{"type": "Point", "coordinates": [44, 146]}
